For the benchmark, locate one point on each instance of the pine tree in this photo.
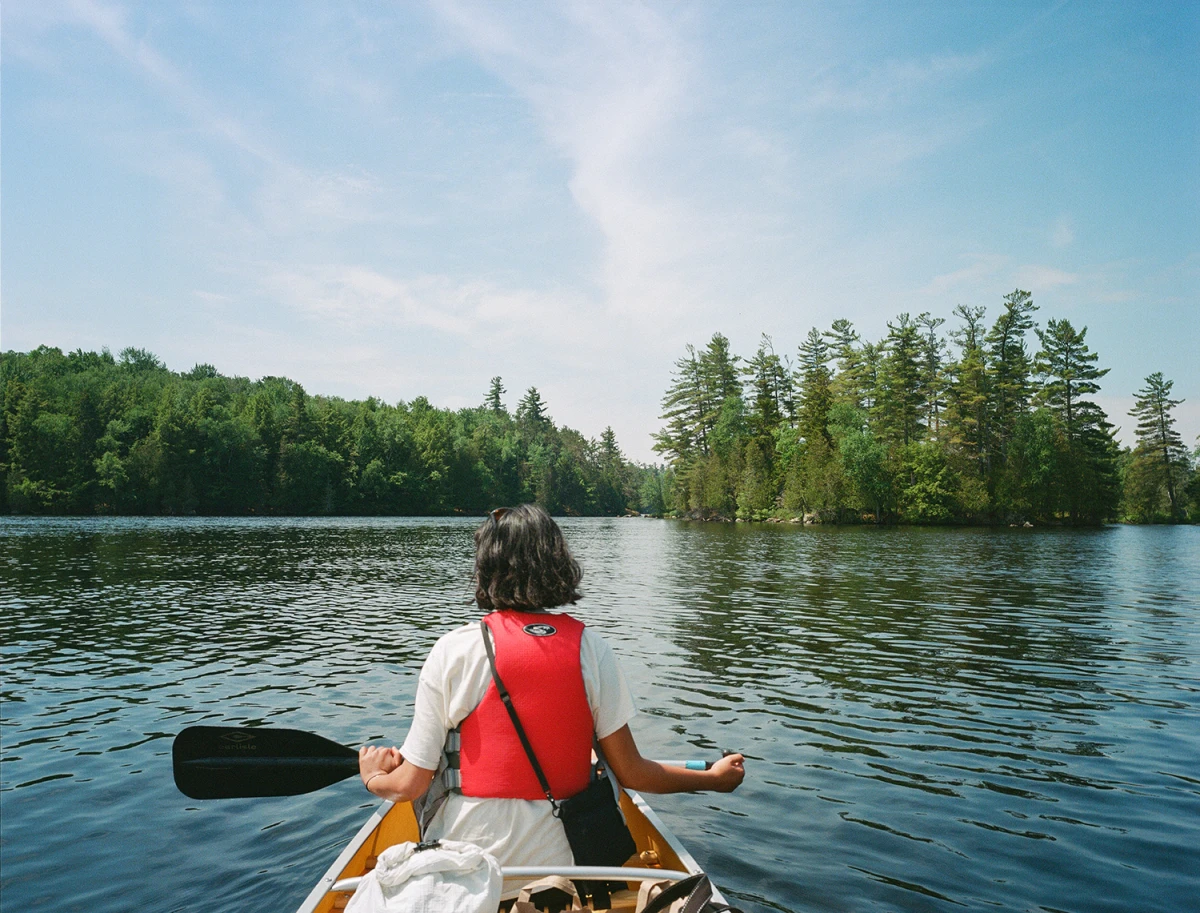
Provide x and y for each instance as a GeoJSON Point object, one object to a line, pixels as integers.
{"type": "Point", "coordinates": [756, 488]}
{"type": "Point", "coordinates": [771, 388]}
{"type": "Point", "coordinates": [685, 406]}
{"type": "Point", "coordinates": [693, 403]}
{"type": "Point", "coordinates": [614, 490]}
{"type": "Point", "coordinates": [849, 384]}
{"type": "Point", "coordinates": [531, 410]}
{"type": "Point", "coordinates": [932, 376]}
{"type": "Point", "coordinates": [870, 372]}
{"type": "Point", "coordinates": [1009, 369]}
{"type": "Point", "coordinates": [967, 406]}
{"type": "Point", "coordinates": [1069, 374]}
{"type": "Point", "coordinates": [493, 401]}
{"type": "Point", "coordinates": [1160, 457]}
{"type": "Point", "coordinates": [899, 406]}
{"type": "Point", "coordinates": [816, 395]}
{"type": "Point", "coordinates": [720, 375]}
{"type": "Point", "coordinates": [704, 432]}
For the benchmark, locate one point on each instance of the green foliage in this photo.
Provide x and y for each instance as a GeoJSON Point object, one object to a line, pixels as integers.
{"type": "Point", "coordinates": [1029, 485]}
{"type": "Point", "coordinates": [932, 375]}
{"type": "Point", "coordinates": [822, 479]}
{"type": "Point", "coordinates": [1087, 464]}
{"type": "Point", "coordinates": [865, 459]}
{"type": "Point", "coordinates": [1160, 478]}
{"type": "Point", "coordinates": [854, 379]}
{"type": "Point", "coordinates": [772, 401]}
{"type": "Point", "coordinates": [86, 433]}
{"type": "Point", "coordinates": [1192, 488]}
{"type": "Point", "coordinates": [815, 394]}
{"type": "Point", "coordinates": [493, 403]}
{"type": "Point", "coordinates": [756, 490]}
{"type": "Point", "coordinates": [899, 403]}
{"type": "Point", "coordinates": [652, 493]}
{"type": "Point", "coordinates": [928, 495]}
{"type": "Point", "coordinates": [531, 411]}
{"type": "Point", "coordinates": [705, 428]}
{"type": "Point", "coordinates": [140, 360]}
{"type": "Point", "coordinates": [909, 429]}
{"type": "Point", "coordinates": [1009, 369]}
{"type": "Point", "coordinates": [968, 385]}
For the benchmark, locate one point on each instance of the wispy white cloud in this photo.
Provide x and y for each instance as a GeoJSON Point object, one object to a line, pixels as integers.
{"type": "Point", "coordinates": [108, 22]}
{"type": "Point", "coordinates": [990, 269]}
{"type": "Point", "coordinates": [362, 299]}
{"type": "Point", "coordinates": [287, 198]}
{"type": "Point", "coordinates": [293, 200]}
{"type": "Point", "coordinates": [1063, 233]}
{"type": "Point", "coordinates": [984, 269]}
{"type": "Point", "coordinates": [1043, 278]}
{"type": "Point", "coordinates": [212, 297]}
{"type": "Point", "coordinates": [606, 89]}
{"type": "Point", "coordinates": [877, 156]}
{"type": "Point", "coordinates": [336, 84]}
{"type": "Point", "coordinates": [358, 297]}
{"type": "Point", "coordinates": [891, 83]}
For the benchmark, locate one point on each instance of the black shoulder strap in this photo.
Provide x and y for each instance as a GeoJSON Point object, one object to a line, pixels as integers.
{"type": "Point", "coordinates": [512, 714]}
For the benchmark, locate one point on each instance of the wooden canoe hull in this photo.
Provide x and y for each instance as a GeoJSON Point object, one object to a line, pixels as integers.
{"type": "Point", "coordinates": [396, 823]}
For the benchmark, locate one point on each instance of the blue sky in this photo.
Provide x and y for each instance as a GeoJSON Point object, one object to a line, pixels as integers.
{"type": "Point", "coordinates": [404, 199]}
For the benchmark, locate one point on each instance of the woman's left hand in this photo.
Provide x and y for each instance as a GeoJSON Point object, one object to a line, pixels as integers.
{"type": "Point", "coordinates": [728, 773]}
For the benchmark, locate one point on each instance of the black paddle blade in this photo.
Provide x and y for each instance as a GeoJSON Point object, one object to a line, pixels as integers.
{"type": "Point", "coordinates": [225, 762]}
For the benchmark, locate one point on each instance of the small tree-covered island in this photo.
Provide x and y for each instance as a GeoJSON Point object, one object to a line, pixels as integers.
{"type": "Point", "coordinates": [979, 425]}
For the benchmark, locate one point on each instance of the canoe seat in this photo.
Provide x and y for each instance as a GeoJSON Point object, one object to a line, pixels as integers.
{"type": "Point", "coordinates": [620, 902]}
{"type": "Point", "coordinates": [623, 901]}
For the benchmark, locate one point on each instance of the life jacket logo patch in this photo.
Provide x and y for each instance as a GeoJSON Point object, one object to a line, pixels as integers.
{"type": "Point", "coordinates": [541, 629]}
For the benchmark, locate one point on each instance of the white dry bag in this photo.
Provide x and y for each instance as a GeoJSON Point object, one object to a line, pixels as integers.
{"type": "Point", "coordinates": [443, 876]}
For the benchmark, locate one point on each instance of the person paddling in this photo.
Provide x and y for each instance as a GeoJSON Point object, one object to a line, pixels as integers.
{"type": "Point", "coordinates": [565, 682]}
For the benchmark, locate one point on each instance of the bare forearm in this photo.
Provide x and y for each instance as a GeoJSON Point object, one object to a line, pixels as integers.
{"type": "Point", "coordinates": [404, 784]}
{"type": "Point", "coordinates": [645, 775]}
{"type": "Point", "coordinates": [386, 774]}
{"type": "Point", "coordinates": [652, 777]}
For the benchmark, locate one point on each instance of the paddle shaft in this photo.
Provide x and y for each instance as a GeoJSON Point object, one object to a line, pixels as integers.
{"type": "Point", "coordinates": [230, 762]}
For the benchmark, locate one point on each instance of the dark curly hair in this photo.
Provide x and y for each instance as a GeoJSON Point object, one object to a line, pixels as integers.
{"type": "Point", "coordinates": [522, 562]}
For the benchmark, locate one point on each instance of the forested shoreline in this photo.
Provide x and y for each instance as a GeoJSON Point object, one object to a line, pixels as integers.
{"type": "Point", "coordinates": [983, 425]}
{"type": "Point", "coordinates": [87, 433]}
{"type": "Point", "coordinates": [974, 426]}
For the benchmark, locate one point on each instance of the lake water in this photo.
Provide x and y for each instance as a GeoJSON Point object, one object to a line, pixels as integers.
{"type": "Point", "coordinates": [934, 719]}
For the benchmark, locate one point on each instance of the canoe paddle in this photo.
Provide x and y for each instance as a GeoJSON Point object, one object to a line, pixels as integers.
{"type": "Point", "coordinates": [231, 762]}
{"type": "Point", "coordinates": [227, 762]}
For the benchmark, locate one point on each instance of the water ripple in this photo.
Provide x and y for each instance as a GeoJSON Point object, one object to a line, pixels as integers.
{"type": "Point", "coordinates": [934, 718]}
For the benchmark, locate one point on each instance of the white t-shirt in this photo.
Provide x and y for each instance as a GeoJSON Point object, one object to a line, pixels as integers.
{"type": "Point", "coordinates": [453, 682]}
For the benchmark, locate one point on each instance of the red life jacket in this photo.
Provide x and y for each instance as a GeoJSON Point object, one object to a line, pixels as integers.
{"type": "Point", "coordinates": [537, 656]}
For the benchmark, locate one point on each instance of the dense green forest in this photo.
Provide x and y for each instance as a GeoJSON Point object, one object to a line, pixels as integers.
{"type": "Point", "coordinates": [979, 425]}
{"type": "Point", "coordinates": [994, 424]}
{"type": "Point", "coordinates": [88, 433]}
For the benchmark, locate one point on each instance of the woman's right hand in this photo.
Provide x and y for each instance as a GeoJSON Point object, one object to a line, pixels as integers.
{"type": "Point", "coordinates": [393, 777]}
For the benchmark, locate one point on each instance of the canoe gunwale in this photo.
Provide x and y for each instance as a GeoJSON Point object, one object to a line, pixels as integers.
{"type": "Point", "coordinates": [332, 882]}
{"type": "Point", "coordinates": [575, 873]}
{"type": "Point", "coordinates": [325, 884]}
{"type": "Point", "coordinates": [686, 859]}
